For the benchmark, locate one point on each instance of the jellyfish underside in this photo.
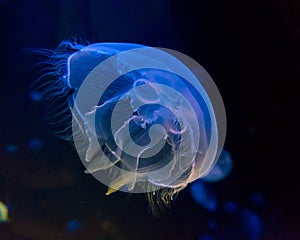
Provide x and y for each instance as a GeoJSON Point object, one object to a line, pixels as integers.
{"type": "Point", "coordinates": [138, 134]}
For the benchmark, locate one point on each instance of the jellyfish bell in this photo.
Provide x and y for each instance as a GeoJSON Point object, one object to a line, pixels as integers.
{"type": "Point", "coordinates": [139, 117]}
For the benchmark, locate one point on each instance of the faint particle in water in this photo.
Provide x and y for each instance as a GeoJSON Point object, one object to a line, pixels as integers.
{"type": "Point", "coordinates": [35, 96]}
{"type": "Point", "coordinates": [206, 236]}
{"type": "Point", "coordinates": [109, 227]}
{"type": "Point", "coordinates": [230, 207]}
{"type": "Point", "coordinates": [257, 199]}
{"type": "Point", "coordinates": [10, 149]}
{"type": "Point", "coordinates": [252, 225]}
{"type": "Point", "coordinates": [35, 144]}
{"type": "Point", "coordinates": [203, 195]}
{"type": "Point", "coordinates": [212, 225]}
{"type": "Point", "coordinates": [3, 213]}
{"type": "Point", "coordinates": [73, 225]}
{"type": "Point", "coordinates": [221, 169]}
{"type": "Point", "coordinates": [142, 119]}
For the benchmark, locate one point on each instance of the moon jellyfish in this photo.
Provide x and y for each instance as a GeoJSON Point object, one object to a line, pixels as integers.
{"type": "Point", "coordinates": [142, 119]}
{"type": "Point", "coordinates": [221, 169]}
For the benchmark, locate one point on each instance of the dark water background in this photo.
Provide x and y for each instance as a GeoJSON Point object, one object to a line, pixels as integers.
{"type": "Point", "coordinates": [251, 50]}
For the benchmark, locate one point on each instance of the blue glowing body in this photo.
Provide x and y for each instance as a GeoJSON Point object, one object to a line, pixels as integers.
{"type": "Point", "coordinates": [11, 148]}
{"type": "Point", "coordinates": [73, 225]}
{"type": "Point", "coordinates": [203, 195]}
{"type": "Point", "coordinates": [252, 224]}
{"type": "Point", "coordinates": [35, 144]}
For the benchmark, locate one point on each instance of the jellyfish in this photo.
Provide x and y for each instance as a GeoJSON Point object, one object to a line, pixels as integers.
{"type": "Point", "coordinates": [142, 119]}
